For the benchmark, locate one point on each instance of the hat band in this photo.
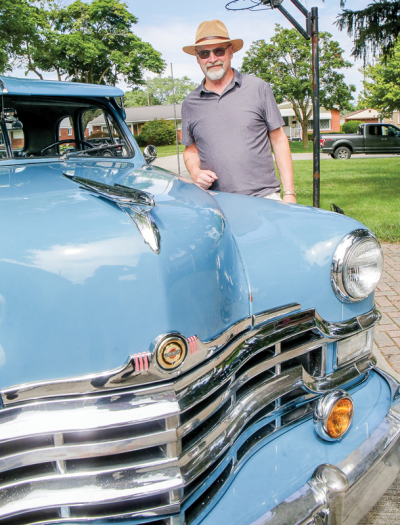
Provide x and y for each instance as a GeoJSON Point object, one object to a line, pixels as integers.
{"type": "Point", "coordinates": [212, 38]}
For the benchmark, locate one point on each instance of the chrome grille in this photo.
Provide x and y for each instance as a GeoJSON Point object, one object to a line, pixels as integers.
{"type": "Point", "coordinates": [162, 452]}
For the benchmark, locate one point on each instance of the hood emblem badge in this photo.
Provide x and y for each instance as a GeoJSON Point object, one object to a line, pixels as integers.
{"type": "Point", "coordinates": [137, 204]}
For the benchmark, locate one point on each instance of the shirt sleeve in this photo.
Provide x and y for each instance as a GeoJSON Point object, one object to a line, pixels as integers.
{"type": "Point", "coordinates": [272, 115]}
{"type": "Point", "coordinates": [187, 136]}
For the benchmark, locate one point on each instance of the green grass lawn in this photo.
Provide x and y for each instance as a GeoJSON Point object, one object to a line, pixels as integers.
{"type": "Point", "coordinates": [166, 151]}
{"type": "Point", "coordinates": [297, 146]}
{"type": "Point", "coordinates": [366, 189]}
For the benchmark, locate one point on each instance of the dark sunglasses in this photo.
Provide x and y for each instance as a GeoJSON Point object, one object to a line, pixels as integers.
{"type": "Point", "coordinates": [218, 52]}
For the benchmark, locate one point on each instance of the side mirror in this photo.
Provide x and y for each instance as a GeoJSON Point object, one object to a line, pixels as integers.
{"type": "Point", "coordinates": [17, 124]}
{"type": "Point", "coordinates": [150, 154]}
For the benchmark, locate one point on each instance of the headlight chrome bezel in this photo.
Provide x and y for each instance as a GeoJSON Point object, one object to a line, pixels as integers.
{"type": "Point", "coordinates": [340, 259]}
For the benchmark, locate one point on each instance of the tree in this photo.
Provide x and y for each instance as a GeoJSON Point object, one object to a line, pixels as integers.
{"type": "Point", "coordinates": [285, 64]}
{"type": "Point", "coordinates": [92, 42]}
{"type": "Point", "coordinates": [375, 28]}
{"type": "Point", "coordinates": [382, 91]}
{"type": "Point", "coordinates": [20, 22]}
{"type": "Point", "coordinates": [138, 97]}
{"type": "Point", "coordinates": [161, 88]}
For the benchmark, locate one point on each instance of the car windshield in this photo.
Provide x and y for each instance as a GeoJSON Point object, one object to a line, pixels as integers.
{"type": "Point", "coordinates": [43, 127]}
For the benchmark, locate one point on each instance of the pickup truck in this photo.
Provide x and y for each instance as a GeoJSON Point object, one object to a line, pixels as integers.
{"type": "Point", "coordinates": [369, 139]}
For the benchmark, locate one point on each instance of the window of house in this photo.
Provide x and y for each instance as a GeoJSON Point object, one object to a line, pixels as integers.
{"type": "Point", "coordinates": [286, 121]}
{"type": "Point", "coordinates": [69, 132]}
{"type": "Point", "coordinates": [323, 124]}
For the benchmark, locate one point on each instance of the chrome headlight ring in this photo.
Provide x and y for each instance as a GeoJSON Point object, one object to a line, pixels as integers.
{"type": "Point", "coordinates": [342, 255]}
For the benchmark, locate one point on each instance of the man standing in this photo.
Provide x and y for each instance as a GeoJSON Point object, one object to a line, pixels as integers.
{"type": "Point", "coordinates": [229, 123]}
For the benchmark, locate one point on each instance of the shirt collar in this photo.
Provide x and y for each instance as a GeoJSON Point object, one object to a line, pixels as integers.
{"type": "Point", "coordinates": [237, 79]}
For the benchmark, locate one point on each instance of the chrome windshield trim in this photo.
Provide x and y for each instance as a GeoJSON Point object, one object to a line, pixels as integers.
{"type": "Point", "coordinates": [268, 332]}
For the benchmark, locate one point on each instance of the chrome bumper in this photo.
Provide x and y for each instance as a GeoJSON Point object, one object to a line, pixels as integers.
{"type": "Point", "coordinates": [344, 495]}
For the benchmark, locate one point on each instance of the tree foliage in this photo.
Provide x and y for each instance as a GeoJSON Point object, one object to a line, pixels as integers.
{"type": "Point", "coordinates": [20, 22]}
{"type": "Point", "coordinates": [158, 132]}
{"type": "Point", "coordinates": [285, 63]}
{"type": "Point", "coordinates": [159, 91]}
{"type": "Point", "coordinates": [382, 89]}
{"type": "Point", "coordinates": [88, 42]}
{"type": "Point", "coordinates": [161, 88]}
{"type": "Point", "coordinates": [138, 97]}
{"type": "Point", "coordinates": [374, 28]}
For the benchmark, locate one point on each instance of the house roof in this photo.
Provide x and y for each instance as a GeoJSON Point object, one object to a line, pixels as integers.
{"type": "Point", "coordinates": [146, 113]}
{"type": "Point", "coordinates": [29, 86]}
{"type": "Point", "coordinates": [362, 114]}
{"type": "Point", "coordinates": [286, 110]}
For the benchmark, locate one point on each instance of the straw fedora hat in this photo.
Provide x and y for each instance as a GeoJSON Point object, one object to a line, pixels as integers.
{"type": "Point", "coordinates": [212, 32]}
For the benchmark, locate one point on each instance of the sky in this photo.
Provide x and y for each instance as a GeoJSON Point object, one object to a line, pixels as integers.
{"type": "Point", "coordinates": [170, 25]}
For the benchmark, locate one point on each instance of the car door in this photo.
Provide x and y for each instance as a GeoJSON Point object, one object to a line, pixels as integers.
{"type": "Point", "coordinates": [373, 139]}
{"type": "Point", "coordinates": [388, 139]}
{"type": "Point", "coordinates": [393, 135]}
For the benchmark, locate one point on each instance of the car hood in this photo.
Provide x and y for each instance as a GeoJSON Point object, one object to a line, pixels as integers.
{"type": "Point", "coordinates": [287, 252]}
{"type": "Point", "coordinates": [80, 290]}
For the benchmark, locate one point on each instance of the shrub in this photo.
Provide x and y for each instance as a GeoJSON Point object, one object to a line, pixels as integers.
{"type": "Point", "coordinates": [158, 132]}
{"type": "Point", "coordinates": [351, 126]}
{"type": "Point", "coordinates": [141, 141]}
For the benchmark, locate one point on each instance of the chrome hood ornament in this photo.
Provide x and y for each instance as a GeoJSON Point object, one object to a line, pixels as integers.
{"type": "Point", "coordinates": [135, 203]}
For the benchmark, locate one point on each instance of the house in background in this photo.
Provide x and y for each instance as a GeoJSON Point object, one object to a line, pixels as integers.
{"type": "Point", "coordinates": [369, 116]}
{"type": "Point", "coordinates": [138, 116]}
{"type": "Point", "coordinates": [329, 121]}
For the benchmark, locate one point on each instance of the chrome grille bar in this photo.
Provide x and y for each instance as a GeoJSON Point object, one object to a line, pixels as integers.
{"type": "Point", "coordinates": [104, 455]}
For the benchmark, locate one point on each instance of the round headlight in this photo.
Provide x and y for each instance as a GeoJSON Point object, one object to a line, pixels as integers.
{"type": "Point", "coordinates": [357, 266]}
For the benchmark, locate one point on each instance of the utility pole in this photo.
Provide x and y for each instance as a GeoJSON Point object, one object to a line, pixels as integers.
{"type": "Point", "coordinates": [176, 127]}
{"type": "Point", "coordinates": [309, 32]}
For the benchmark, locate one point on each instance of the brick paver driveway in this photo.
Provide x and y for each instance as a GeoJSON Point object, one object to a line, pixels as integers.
{"type": "Point", "coordinates": [387, 297]}
{"type": "Point", "coordinates": [387, 341]}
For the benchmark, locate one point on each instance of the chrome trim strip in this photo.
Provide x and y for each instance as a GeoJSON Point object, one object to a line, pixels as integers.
{"type": "Point", "coordinates": [236, 338]}
{"type": "Point", "coordinates": [85, 414]}
{"type": "Point", "coordinates": [69, 490]}
{"type": "Point", "coordinates": [339, 262]}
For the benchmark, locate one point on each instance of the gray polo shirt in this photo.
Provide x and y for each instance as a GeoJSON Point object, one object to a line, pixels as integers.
{"type": "Point", "coordinates": [231, 134]}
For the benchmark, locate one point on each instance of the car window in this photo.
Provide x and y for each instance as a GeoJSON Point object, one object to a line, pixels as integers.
{"type": "Point", "coordinates": [102, 132]}
{"type": "Point", "coordinates": [375, 130]}
{"type": "Point", "coordinates": [45, 127]}
{"type": "Point", "coordinates": [391, 131]}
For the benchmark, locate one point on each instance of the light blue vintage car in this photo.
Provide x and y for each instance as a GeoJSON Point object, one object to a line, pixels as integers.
{"type": "Point", "coordinates": [175, 356]}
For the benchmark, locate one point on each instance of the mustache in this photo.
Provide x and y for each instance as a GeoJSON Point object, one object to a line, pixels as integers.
{"type": "Point", "coordinates": [216, 63]}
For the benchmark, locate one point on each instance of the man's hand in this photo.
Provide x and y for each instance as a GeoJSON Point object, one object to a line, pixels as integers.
{"type": "Point", "coordinates": [203, 178]}
{"type": "Point", "coordinates": [289, 198]}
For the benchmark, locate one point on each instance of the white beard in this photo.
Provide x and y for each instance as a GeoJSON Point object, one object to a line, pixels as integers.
{"type": "Point", "coordinates": [215, 74]}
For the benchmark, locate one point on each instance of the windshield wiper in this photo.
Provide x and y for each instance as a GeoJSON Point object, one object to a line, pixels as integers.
{"type": "Point", "coordinates": [67, 155]}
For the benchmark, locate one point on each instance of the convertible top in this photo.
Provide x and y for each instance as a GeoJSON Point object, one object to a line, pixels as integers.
{"type": "Point", "coordinates": [28, 86]}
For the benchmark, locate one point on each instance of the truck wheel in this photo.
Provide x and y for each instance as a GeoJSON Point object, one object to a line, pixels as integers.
{"type": "Point", "coordinates": [342, 153]}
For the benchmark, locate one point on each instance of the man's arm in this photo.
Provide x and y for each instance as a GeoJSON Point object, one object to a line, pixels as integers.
{"type": "Point", "coordinates": [203, 178]}
{"type": "Point", "coordinates": [283, 159]}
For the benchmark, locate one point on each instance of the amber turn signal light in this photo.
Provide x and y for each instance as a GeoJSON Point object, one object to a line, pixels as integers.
{"type": "Point", "coordinates": [340, 418]}
{"type": "Point", "coordinates": [333, 415]}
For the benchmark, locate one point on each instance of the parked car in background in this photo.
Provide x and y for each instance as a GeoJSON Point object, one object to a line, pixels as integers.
{"type": "Point", "coordinates": [370, 139]}
{"type": "Point", "coordinates": [170, 355]}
